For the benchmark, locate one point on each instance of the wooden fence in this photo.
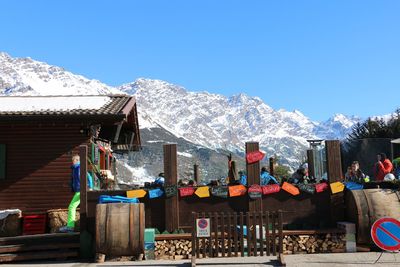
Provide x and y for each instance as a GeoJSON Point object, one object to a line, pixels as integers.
{"type": "Point", "coordinates": [239, 234]}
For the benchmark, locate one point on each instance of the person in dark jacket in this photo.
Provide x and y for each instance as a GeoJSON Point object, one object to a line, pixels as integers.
{"type": "Point", "coordinates": [76, 199]}
{"type": "Point", "coordinates": [354, 173]}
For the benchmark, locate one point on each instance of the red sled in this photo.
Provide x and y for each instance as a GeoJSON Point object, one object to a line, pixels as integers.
{"type": "Point", "coordinates": [321, 187]}
{"type": "Point", "coordinates": [271, 189]}
{"type": "Point", "coordinates": [186, 191]}
{"type": "Point", "coordinates": [253, 157]}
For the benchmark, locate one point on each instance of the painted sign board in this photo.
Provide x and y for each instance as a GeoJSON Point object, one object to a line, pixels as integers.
{"type": "Point", "coordinates": [203, 227]}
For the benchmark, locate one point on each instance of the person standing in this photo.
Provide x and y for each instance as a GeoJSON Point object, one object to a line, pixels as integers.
{"type": "Point", "coordinates": [382, 167]}
{"type": "Point", "coordinates": [76, 199]}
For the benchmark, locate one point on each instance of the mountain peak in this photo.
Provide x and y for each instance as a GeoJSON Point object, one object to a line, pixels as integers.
{"type": "Point", "coordinates": [25, 76]}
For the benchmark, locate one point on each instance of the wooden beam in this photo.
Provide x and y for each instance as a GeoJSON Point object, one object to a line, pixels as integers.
{"type": "Point", "coordinates": [171, 178]}
{"type": "Point", "coordinates": [271, 166]}
{"type": "Point", "coordinates": [334, 169]}
{"type": "Point", "coordinates": [253, 176]}
{"type": "Point", "coordinates": [196, 173]}
{"type": "Point", "coordinates": [83, 154]}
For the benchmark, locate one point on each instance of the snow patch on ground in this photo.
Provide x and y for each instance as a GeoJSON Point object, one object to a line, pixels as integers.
{"type": "Point", "coordinates": [184, 154]}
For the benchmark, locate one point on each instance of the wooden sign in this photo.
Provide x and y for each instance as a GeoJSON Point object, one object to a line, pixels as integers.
{"type": "Point", "coordinates": [321, 187]}
{"type": "Point", "coordinates": [203, 191]}
{"type": "Point", "coordinates": [255, 156]}
{"type": "Point", "coordinates": [255, 191]}
{"type": "Point", "coordinates": [219, 191]}
{"type": "Point", "coordinates": [337, 187]}
{"type": "Point", "coordinates": [307, 188]}
{"type": "Point", "coordinates": [237, 190]}
{"type": "Point", "coordinates": [291, 189]}
{"type": "Point", "coordinates": [186, 191]}
{"type": "Point", "coordinates": [155, 193]}
{"type": "Point", "coordinates": [170, 190]}
{"type": "Point", "coordinates": [136, 193]}
{"type": "Point", "coordinates": [271, 189]}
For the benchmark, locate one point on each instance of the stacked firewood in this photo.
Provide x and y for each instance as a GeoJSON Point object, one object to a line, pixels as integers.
{"type": "Point", "coordinates": [308, 244]}
{"type": "Point", "coordinates": [173, 249]}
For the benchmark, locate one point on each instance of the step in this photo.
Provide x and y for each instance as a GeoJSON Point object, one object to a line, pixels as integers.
{"type": "Point", "coordinates": [24, 247]}
{"type": "Point", "coordinates": [42, 255]}
{"type": "Point", "coordinates": [40, 239]}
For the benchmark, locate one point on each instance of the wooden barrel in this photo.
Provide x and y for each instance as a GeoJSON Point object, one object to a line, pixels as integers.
{"type": "Point", "coordinates": [120, 229]}
{"type": "Point", "coordinates": [364, 207]}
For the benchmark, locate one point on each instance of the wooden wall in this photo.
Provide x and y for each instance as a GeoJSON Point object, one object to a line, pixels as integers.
{"type": "Point", "coordinates": [38, 160]}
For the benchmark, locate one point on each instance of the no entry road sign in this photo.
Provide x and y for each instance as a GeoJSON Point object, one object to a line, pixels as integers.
{"type": "Point", "coordinates": [203, 227]}
{"type": "Point", "coordinates": [385, 233]}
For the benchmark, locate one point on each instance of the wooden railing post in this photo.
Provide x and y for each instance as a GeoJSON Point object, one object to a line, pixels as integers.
{"type": "Point", "coordinates": [253, 176]}
{"type": "Point", "coordinates": [171, 178]}
{"type": "Point", "coordinates": [310, 161]}
{"type": "Point", "coordinates": [334, 169]}
{"type": "Point", "coordinates": [196, 173]}
{"type": "Point", "coordinates": [271, 166]}
{"type": "Point", "coordinates": [83, 153]}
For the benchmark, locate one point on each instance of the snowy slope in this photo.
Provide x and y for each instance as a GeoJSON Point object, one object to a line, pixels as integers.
{"type": "Point", "coordinates": [209, 120]}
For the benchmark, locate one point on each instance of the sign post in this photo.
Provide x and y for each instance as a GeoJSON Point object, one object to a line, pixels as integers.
{"type": "Point", "coordinates": [203, 227]}
{"type": "Point", "coordinates": [385, 233]}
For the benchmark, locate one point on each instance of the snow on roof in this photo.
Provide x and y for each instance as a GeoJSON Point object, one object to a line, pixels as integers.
{"type": "Point", "coordinates": [52, 103]}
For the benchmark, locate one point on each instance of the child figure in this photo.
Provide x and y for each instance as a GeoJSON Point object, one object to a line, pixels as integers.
{"type": "Point", "coordinates": [76, 199]}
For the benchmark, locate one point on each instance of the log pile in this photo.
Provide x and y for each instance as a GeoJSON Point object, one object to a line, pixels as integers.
{"type": "Point", "coordinates": [173, 249]}
{"type": "Point", "coordinates": [293, 244]}
{"type": "Point", "coordinates": [309, 244]}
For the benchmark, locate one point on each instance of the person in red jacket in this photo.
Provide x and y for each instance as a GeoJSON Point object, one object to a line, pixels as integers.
{"type": "Point", "coordinates": [382, 167]}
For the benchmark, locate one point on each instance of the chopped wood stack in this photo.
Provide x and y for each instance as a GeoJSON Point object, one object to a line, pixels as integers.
{"type": "Point", "coordinates": [173, 249]}
{"type": "Point", "coordinates": [309, 244]}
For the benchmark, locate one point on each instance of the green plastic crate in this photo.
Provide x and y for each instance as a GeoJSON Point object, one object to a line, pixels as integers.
{"type": "Point", "coordinates": [149, 235]}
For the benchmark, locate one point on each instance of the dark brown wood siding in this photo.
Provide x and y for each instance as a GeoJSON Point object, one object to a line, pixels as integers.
{"type": "Point", "coordinates": [38, 163]}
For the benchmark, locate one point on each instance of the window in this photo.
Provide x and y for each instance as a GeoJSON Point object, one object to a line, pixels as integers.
{"type": "Point", "coordinates": [2, 161]}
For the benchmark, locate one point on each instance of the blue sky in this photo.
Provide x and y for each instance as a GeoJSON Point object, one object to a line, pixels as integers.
{"type": "Point", "coordinates": [320, 57]}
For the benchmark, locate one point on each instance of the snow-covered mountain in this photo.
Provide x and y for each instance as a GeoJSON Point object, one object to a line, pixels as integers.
{"type": "Point", "coordinates": [24, 76]}
{"type": "Point", "coordinates": [210, 120]}
{"type": "Point", "coordinates": [220, 122]}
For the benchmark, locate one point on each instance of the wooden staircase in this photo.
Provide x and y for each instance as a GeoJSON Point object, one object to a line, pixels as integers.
{"type": "Point", "coordinates": [39, 247]}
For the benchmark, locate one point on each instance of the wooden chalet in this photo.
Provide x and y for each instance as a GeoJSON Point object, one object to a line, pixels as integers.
{"type": "Point", "coordinates": [39, 134]}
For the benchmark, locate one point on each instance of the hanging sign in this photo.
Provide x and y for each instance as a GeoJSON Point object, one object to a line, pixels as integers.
{"type": "Point", "coordinates": [203, 191]}
{"type": "Point", "coordinates": [170, 190]}
{"type": "Point", "coordinates": [155, 193]}
{"type": "Point", "coordinates": [291, 189]}
{"type": "Point", "coordinates": [307, 188]}
{"type": "Point", "coordinates": [186, 191]}
{"type": "Point", "coordinates": [136, 193]}
{"type": "Point", "coordinates": [255, 191]}
{"type": "Point", "coordinates": [321, 187]}
{"type": "Point", "coordinates": [203, 227]}
{"type": "Point", "coordinates": [385, 233]}
{"type": "Point", "coordinates": [354, 186]}
{"type": "Point", "coordinates": [237, 190]}
{"type": "Point", "coordinates": [219, 191]}
{"type": "Point", "coordinates": [337, 187]}
{"type": "Point", "coordinates": [270, 189]}
{"type": "Point", "coordinates": [255, 156]}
